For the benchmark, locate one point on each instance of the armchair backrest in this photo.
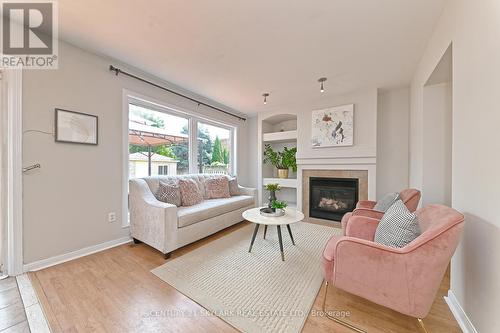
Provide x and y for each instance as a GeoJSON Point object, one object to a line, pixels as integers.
{"type": "Point", "coordinates": [411, 198]}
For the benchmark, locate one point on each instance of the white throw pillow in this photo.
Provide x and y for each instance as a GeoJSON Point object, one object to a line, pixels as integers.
{"type": "Point", "coordinates": [398, 226]}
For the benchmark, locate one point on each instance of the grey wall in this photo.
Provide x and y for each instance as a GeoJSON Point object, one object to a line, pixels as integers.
{"type": "Point", "coordinates": [437, 169]}
{"type": "Point", "coordinates": [392, 140]}
{"type": "Point", "coordinates": [473, 28]}
{"type": "Point", "coordinates": [66, 202]}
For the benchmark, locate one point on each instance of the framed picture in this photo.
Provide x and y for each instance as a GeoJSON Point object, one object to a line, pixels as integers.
{"type": "Point", "coordinates": [333, 127]}
{"type": "Point", "coordinates": [75, 127]}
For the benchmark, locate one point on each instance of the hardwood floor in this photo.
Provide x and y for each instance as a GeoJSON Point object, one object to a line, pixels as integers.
{"type": "Point", "coordinates": [114, 291]}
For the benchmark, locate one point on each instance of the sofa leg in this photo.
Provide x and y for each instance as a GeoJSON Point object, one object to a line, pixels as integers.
{"type": "Point", "coordinates": [335, 319]}
{"type": "Point", "coordinates": [167, 255]}
{"type": "Point", "coordinates": [136, 241]}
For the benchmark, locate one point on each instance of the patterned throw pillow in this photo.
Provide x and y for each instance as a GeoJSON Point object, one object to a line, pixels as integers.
{"type": "Point", "coordinates": [233, 186]}
{"type": "Point", "coordinates": [190, 193]}
{"type": "Point", "coordinates": [169, 192]}
{"type": "Point", "coordinates": [398, 226]}
{"type": "Point", "coordinates": [217, 187]}
{"type": "Point", "coordinates": [383, 204]}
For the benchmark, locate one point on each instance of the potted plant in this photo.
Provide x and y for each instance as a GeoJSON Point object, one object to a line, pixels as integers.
{"type": "Point", "coordinates": [272, 188]}
{"type": "Point", "coordinates": [279, 206]}
{"type": "Point", "coordinates": [282, 160]}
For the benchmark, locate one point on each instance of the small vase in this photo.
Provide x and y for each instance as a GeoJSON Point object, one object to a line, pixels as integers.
{"type": "Point", "coordinates": [272, 197]}
{"type": "Point", "coordinates": [283, 173]}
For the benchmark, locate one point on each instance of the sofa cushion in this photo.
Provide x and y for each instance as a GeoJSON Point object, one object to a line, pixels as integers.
{"type": "Point", "coordinates": [233, 186]}
{"type": "Point", "coordinates": [190, 192]}
{"type": "Point", "coordinates": [169, 192]}
{"type": "Point", "coordinates": [211, 208]}
{"type": "Point", "coordinates": [398, 226]}
{"type": "Point", "coordinates": [217, 187]}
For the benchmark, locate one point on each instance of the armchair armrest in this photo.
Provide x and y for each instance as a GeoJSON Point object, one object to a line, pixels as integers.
{"type": "Point", "coordinates": [374, 214]}
{"type": "Point", "coordinates": [372, 271]}
{"type": "Point", "coordinates": [249, 191]}
{"type": "Point", "coordinates": [361, 227]}
{"type": "Point", "coordinates": [151, 221]}
{"type": "Point", "coordinates": [366, 204]}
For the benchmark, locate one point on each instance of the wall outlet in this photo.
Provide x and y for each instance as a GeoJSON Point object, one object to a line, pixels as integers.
{"type": "Point", "coordinates": [112, 217]}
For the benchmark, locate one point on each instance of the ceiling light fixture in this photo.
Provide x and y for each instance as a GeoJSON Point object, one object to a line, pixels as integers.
{"type": "Point", "coordinates": [265, 97]}
{"type": "Point", "coordinates": [322, 80]}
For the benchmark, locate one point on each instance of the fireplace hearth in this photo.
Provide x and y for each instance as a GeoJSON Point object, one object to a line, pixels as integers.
{"type": "Point", "coordinates": [331, 198]}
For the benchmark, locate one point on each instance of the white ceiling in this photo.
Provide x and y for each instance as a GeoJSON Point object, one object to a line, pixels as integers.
{"type": "Point", "coordinates": [232, 51]}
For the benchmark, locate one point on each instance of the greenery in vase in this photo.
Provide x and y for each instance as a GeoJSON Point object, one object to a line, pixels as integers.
{"type": "Point", "coordinates": [272, 187]}
{"type": "Point", "coordinates": [281, 159]}
{"type": "Point", "coordinates": [276, 204]}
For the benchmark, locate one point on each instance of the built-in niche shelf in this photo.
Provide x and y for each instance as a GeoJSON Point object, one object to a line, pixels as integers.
{"type": "Point", "coordinates": [285, 136]}
{"type": "Point", "coordinates": [283, 182]}
{"type": "Point", "coordinates": [278, 130]}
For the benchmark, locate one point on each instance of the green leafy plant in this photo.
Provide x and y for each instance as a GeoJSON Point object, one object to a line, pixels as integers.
{"type": "Point", "coordinates": [281, 159]}
{"type": "Point", "coordinates": [272, 187]}
{"type": "Point", "coordinates": [276, 204]}
{"type": "Point", "coordinates": [288, 159]}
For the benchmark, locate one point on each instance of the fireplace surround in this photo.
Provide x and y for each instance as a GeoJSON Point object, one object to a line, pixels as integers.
{"type": "Point", "coordinates": [361, 175]}
{"type": "Point", "coordinates": [331, 198]}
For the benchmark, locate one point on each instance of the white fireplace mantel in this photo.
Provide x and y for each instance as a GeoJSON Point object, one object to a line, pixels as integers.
{"type": "Point", "coordinates": [368, 164]}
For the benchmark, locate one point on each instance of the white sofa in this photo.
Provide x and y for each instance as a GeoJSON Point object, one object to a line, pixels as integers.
{"type": "Point", "coordinates": [167, 227]}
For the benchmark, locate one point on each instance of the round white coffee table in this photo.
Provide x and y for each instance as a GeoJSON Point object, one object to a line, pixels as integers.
{"type": "Point", "coordinates": [291, 216]}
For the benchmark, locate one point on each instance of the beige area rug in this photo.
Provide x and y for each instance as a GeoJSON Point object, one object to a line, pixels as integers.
{"type": "Point", "coordinates": [254, 292]}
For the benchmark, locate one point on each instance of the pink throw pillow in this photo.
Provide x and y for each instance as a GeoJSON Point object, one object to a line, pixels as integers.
{"type": "Point", "coordinates": [217, 187]}
{"type": "Point", "coordinates": [190, 193]}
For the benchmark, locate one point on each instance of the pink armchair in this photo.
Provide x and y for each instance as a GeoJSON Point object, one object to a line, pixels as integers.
{"type": "Point", "coordinates": [410, 197]}
{"type": "Point", "coordinates": [403, 279]}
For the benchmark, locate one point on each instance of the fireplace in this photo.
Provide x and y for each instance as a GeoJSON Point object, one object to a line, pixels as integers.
{"type": "Point", "coordinates": [331, 198]}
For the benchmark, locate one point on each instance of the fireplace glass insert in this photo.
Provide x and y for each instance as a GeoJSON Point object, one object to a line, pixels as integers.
{"type": "Point", "coordinates": [331, 198]}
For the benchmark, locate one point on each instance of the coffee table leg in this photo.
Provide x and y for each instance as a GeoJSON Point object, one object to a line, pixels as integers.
{"type": "Point", "coordinates": [265, 230]}
{"type": "Point", "coordinates": [253, 237]}
{"type": "Point", "coordinates": [281, 243]}
{"type": "Point", "coordinates": [290, 232]}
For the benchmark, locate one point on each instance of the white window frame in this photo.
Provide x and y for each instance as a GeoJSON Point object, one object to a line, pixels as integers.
{"type": "Point", "coordinates": [193, 119]}
{"type": "Point", "coordinates": [232, 136]}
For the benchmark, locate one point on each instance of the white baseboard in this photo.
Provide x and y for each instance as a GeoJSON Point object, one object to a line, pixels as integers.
{"type": "Point", "coordinates": [459, 313]}
{"type": "Point", "coordinates": [44, 263]}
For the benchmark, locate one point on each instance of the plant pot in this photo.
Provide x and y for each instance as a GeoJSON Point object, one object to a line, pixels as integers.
{"type": "Point", "coordinates": [282, 173]}
{"type": "Point", "coordinates": [272, 212]}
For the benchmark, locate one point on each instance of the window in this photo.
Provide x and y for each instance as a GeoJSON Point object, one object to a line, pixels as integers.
{"type": "Point", "coordinates": [158, 143]}
{"type": "Point", "coordinates": [214, 149]}
{"type": "Point", "coordinates": [166, 141]}
{"type": "Point", "coordinates": [163, 169]}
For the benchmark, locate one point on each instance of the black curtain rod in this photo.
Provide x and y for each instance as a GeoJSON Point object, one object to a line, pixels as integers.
{"type": "Point", "coordinates": [119, 71]}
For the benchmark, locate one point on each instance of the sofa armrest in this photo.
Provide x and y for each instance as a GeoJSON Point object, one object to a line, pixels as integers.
{"type": "Point", "coordinates": [374, 214]}
{"type": "Point", "coordinates": [249, 191]}
{"type": "Point", "coordinates": [151, 221]}
{"type": "Point", "coordinates": [361, 227]}
{"type": "Point", "coordinates": [366, 204]}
